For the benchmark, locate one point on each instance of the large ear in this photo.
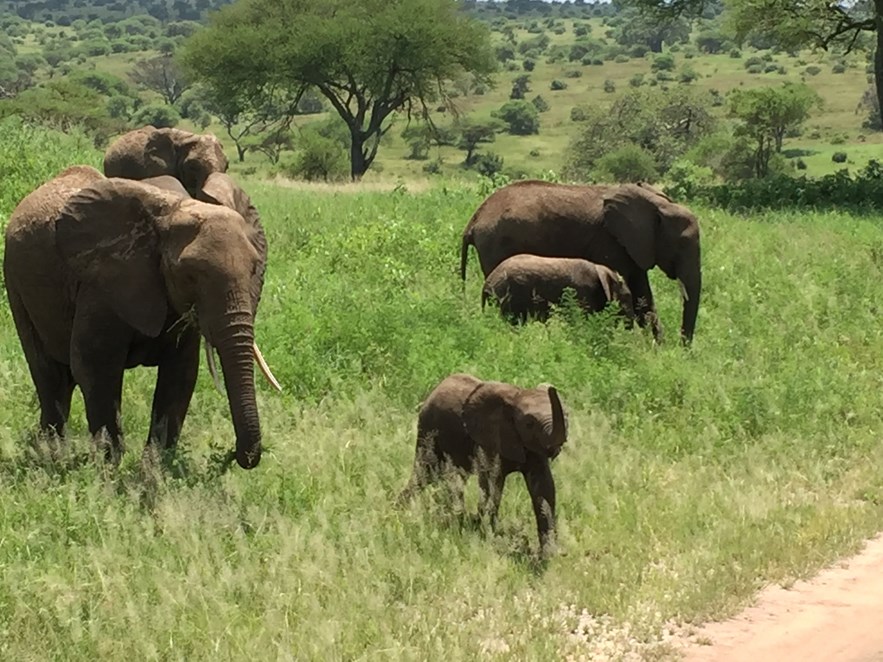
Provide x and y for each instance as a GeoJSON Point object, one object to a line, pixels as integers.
{"type": "Point", "coordinates": [489, 417]}
{"type": "Point", "coordinates": [632, 217]}
{"type": "Point", "coordinates": [107, 235]}
{"type": "Point", "coordinates": [605, 277]}
{"type": "Point", "coordinates": [161, 151]}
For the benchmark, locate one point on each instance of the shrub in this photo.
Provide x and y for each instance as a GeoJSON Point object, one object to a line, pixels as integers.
{"type": "Point", "coordinates": [578, 114]}
{"type": "Point", "coordinates": [159, 115]}
{"type": "Point", "coordinates": [487, 164]}
{"type": "Point", "coordinates": [687, 178]}
{"type": "Point", "coordinates": [771, 68]}
{"type": "Point", "coordinates": [813, 70]}
{"type": "Point", "coordinates": [755, 69]}
{"type": "Point", "coordinates": [637, 80]}
{"type": "Point", "coordinates": [630, 163]}
{"type": "Point", "coordinates": [735, 53]}
{"type": "Point", "coordinates": [557, 85]}
{"type": "Point", "coordinates": [528, 64]}
{"type": "Point", "coordinates": [663, 62]}
{"type": "Point", "coordinates": [688, 75]}
{"type": "Point", "coordinates": [319, 158]}
{"type": "Point", "coordinates": [573, 73]}
{"type": "Point", "coordinates": [800, 164]}
{"type": "Point", "coordinates": [609, 86]}
{"type": "Point", "coordinates": [540, 104]}
{"type": "Point", "coordinates": [838, 139]}
{"type": "Point", "coordinates": [838, 68]}
{"type": "Point", "coordinates": [838, 157]}
{"type": "Point", "coordinates": [521, 117]}
{"type": "Point", "coordinates": [620, 59]}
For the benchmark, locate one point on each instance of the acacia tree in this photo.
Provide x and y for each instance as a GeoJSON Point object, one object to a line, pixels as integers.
{"type": "Point", "coordinates": [162, 75]}
{"type": "Point", "coordinates": [826, 24]}
{"type": "Point", "coordinates": [766, 114]}
{"type": "Point", "coordinates": [370, 59]}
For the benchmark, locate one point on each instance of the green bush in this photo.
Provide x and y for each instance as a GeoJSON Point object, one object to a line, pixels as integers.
{"type": "Point", "coordinates": [318, 158]}
{"type": "Point", "coordinates": [839, 157]}
{"type": "Point", "coordinates": [609, 86]}
{"type": "Point", "coordinates": [521, 117]}
{"type": "Point", "coordinates": [838, 68]}
{"type": "Point", "coordinates": [637, 80]}
{"type": "Point", "coordinates": [578, 114]}
{"type": "Point", "coordinates": [159, 115]}
{"type": "Point", "coordinates": [630, 163]}
{"type": "Point", "coordinates": [813, 70]}
{"type": "Point", "coordinates": [663, 62]}
{"type": "Point", "coordinates": [573, 73]}
{"type": "Point", "coordinates": [540, 104]}
{"type": "Point", "coordinates": [557, 84]}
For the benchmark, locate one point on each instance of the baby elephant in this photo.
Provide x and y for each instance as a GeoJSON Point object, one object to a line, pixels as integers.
{"type": "Point", "coordinates": [529, 284]}
{"type": "Point", "coordinates": [491, 428]}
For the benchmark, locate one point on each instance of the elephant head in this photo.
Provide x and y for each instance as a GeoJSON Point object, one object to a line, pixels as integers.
{"type": "Point", "coordinates": [192, 157]}
{"type": "Point", "coordinates": [616, 289]}
{"type": "Point", "coordinates": [658, 232]}
{"type": "Point", "coordinates": [154, 256]}
{"type": "Point", "coordinates": [509, 422]}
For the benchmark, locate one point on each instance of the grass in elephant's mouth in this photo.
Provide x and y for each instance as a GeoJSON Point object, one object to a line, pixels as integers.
{"type": "Point", "coordinates": [690, 477]}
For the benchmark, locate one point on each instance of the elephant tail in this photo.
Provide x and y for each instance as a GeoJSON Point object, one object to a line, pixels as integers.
{"type": "Point", "coordinates": [464, 251]}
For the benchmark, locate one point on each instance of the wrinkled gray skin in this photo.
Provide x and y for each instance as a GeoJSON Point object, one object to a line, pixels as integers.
{"type": "Point", "coordinates": [629, 228]}
{"type": "Point", "coordinates": [528, 285]}
{"type": "Point", "coordinates": [151, 152]}
{"type": "Point", "coordinates": [128, 263]}
{"type": "Point", "coordinates": [493, 429]}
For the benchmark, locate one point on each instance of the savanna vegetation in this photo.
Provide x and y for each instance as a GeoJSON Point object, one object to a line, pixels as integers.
{"type": "Point", "coordinates": [691, 476]}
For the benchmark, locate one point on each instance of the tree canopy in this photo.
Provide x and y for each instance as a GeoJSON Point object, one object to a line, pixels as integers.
{"type": "Point", "coordinates": [369, 59]}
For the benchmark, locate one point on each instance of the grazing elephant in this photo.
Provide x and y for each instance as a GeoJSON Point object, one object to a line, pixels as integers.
{"type": "Point", "coordinates": [529, 284]}
{"type": "Point", "coordinates": [108, 274]}
{"type": "Point", "coordinates": [629, 228]}
{"type": "Point", "coordinates": [151, 152]}
{"type": "Point", "coordinates": [493, 429]}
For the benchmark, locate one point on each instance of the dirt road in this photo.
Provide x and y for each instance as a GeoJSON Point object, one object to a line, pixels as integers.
{"type": "Point", "coordinates": [835, 617]}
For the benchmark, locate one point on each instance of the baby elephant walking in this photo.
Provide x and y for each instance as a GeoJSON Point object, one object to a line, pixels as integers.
{"type": "Point", "coordinates": [529, 284]}
{"type": "Point", "coordinates": [492, 429]}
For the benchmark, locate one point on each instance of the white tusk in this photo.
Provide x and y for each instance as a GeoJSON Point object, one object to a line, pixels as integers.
{"type": "Point", "coordinates": [683, 290]}
{"type": "Point", "coordinates": [212, 368]}
{"type": "Point", "coordinates": [262, 364]}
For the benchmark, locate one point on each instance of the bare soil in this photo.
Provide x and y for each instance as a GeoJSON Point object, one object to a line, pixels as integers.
{"type": "Point", "coordinates": [835, 617]}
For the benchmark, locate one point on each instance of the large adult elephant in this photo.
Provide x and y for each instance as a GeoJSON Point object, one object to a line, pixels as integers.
{"type": "Point", "coordinates": [107, 274]}
{"type": "Point", "coordinates": [151, 152]}
{"type": "Point", "coordinates": [630, 228]}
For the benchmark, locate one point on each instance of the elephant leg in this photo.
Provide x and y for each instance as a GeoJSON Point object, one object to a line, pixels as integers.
{"type": "Point", "coordinates": [175, 382]}
{"type": "Point", "coordinates": [427, 469]}
{"type": "Point", "coordinates": [645, 309]}
{"type": "Point", "coordinates": [53, 380]}
{"type": "Point", "coordinates": [541, 486]}
{"type": "Point", "coordinates": [490, 482]}
{"type": "Point", "coordinates": [99, 346]}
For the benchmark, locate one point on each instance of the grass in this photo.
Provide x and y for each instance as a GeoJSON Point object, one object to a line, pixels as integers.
{"type": "Point", "coordinates": [689, 480]}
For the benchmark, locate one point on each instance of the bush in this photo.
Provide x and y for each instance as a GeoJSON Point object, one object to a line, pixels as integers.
{"type": "Point", "coordinates": [159, 115]}
{"type": "Point", "coordinates": [319, 158]}
{"type": "Point", "coordinates": [487, 164]}
{"type": "Point", "coordinates": [573, 73]}
{"type": "Point", "coordinates": [637, 80]}
{"type": "Point", "coordinates": [521, 117]}
{"type": "Point", "coordinates": [630, 163]}
{"type": "Point", "coordinates": [838, 68]}
{"type": "Point", "coordinates": [557, 85]}
{"type": "Point", "coordinates": [663, 62]}
{"type": "Point", "coordinates": [688, 75]}
{"type": "Point", "coordinates": [528, 64]}
{"type": "Point", "coordinates": [609, 86]}
{"type": "Point", "coordinates": [578, 114]}
{"type": "Point", "coordinates": [771, 68]}
{"type": "Point", "coordinates": [753, 61]}
{"type": "Point", "coordinates": [540, 104]}
{"type": "Point", "coordinates": [620, 59]}
{"type": "Point", "coordinates": [839, 157]}
{"type": "Point", "coordinates": [755, 69]}
{"type": "Point", "coordinates": [687, 178]}
{"type": "Point", "coordinates": [638, 51]}
{"type": "Point", "coordinates": [735, 53]}
{"type": "Point", "coordinates": [800, 164]}
{"type": "Point", "coordinates": [813, 70]}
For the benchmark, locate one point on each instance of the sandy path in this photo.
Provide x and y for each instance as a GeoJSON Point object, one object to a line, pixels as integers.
{"type": "Point", "coordinates": [835, 617]}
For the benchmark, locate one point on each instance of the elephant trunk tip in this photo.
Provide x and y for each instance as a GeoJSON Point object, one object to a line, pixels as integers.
{"type": "Point", "coordinates": [248, 459]}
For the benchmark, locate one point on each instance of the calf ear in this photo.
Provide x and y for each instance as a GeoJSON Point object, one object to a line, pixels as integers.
{"type": "Point", "coordinates": [606, 285]}
{"type": "Point", "coordinates": [489, 417]}
{"type": "Point", "coordinates": [106, 235]}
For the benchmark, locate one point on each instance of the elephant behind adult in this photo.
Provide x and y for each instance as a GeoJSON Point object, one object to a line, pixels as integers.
{"type": "Point", "coordinates": [151, 152]}
{"type": "Point", "coordinates": [629, 228]}
{"type": "Point", "coordinates": [130, 263]}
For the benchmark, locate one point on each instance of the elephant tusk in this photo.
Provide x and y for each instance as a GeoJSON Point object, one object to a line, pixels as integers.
{"type": "Point", "coordinates": [683, 290]}
{"type": "Point", "coordinates": [265, 369]}
{"type": "Point", "coordinates": [212, 368]}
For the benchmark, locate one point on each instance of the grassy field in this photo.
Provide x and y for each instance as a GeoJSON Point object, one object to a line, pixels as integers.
{"type": "Point", "coordinates": [690, 477]}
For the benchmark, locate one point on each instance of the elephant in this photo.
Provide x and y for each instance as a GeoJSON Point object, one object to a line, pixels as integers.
{"type": "Point", "coordinates": [529, 284]}
{"type": "Point", "coordinates": [629, 228]}
{"type": "Point", "coordinates": [135, 276]}
{"type": "Point", "coordinates": [151, 152]}
{"type": "Point", "coordinates": [492, 429]}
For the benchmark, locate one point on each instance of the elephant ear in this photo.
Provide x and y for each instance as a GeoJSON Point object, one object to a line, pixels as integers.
{"type": "Point", "coordinates": [161, 152]}
{"type": "Point", "coordinates": [107, 236]}
{"type": "Point", "coordinates": [631, 214]}
{"type": "Point", "coordinates": [489, 418]}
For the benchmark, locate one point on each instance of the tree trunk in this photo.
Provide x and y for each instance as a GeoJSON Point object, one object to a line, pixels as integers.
{"type": "Point", "coordinates": [878, 53]}
{"type": "Point", "coordinates": [240, 150]}
{"type": "Point", "coordinates": [655, 44]}
{"type": "Point", "coordinates": [358, 163]}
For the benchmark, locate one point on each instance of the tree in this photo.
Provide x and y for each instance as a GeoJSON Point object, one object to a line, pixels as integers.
{"type": "Point", "coordinates": [520, 87]}
{"type": "Point", "coordinates": [767, 113]}
{"type": "Point", "coordinates": [793, 24]}
{"type": "Point", "coordinates": [472, 134]}
{"type": "Point", "coordinates": [651, 31]}
{"type": "Point", "coordinates": [162, 75]}
{"type": "Point", "coordinates": [521, 117]}
{"type": "Point", "coordinates": [369, 59]}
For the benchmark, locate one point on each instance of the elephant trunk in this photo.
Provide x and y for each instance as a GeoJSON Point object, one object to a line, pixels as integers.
{"type": "Point", "coordinates": [234, 341]}
{"type": "Point", "coordinates": [691, 289]}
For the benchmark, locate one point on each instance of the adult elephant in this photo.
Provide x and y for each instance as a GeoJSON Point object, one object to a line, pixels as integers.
{"type": "Point", "coordinates": [107, 274]}
{"type": "Point", "coordinates": [151, 152]}
{"type": "Point", "coordinates": [629, 228]}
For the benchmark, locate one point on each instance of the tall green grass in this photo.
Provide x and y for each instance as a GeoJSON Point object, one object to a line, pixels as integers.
{"type": "Point", "coordinates": [690, 477]}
